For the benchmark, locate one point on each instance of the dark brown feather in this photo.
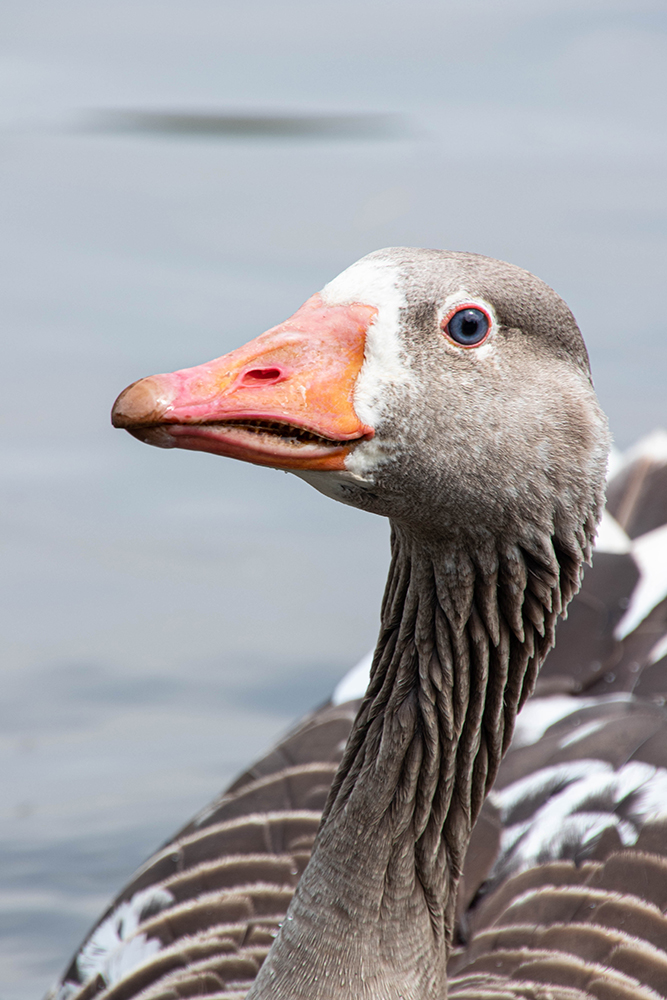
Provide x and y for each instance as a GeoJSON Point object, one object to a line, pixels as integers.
{"type": "Point", "coordinates": [637, 496]}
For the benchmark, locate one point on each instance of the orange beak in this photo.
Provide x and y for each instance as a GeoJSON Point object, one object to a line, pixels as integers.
{"type": "Point", "coordinates": [284, 400]}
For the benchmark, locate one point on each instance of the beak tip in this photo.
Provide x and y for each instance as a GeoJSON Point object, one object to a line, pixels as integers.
{"type": "Point", "coordinates": [138, 405]}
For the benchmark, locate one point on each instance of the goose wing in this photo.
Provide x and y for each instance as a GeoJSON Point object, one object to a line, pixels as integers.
{"type": "Point", "coordinates": [577, 897]}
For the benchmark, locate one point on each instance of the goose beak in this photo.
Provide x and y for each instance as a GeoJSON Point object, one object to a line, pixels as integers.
{"type": "Point", "coordinates": [284, 399]}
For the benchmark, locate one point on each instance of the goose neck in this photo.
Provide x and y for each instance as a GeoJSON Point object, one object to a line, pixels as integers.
{"type": "Point", "coordinates": [373, 913]}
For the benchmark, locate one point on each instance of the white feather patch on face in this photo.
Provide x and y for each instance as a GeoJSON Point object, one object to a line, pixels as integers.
{"type": "Point", "coordinates": [386, 363]}
{"type": "Point", "coordinates": [373, 282]}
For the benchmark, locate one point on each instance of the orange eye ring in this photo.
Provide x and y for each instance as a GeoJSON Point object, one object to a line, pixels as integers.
{"type": "Point", "coordinates": [467, 326]}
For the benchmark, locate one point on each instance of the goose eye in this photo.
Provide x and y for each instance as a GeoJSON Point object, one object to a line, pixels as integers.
{"type": "Point", "coordinates": [468, 327]}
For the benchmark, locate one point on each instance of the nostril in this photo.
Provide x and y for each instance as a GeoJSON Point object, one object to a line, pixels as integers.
{"type": "Point", "coordinates": [264, 375]}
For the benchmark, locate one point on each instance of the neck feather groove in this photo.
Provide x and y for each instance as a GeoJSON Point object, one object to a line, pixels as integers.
{"type": "Point", "coordinates": [460, 645]}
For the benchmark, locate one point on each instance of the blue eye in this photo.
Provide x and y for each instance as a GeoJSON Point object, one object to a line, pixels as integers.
{"type": "Point", "coordinates": [468, 327]}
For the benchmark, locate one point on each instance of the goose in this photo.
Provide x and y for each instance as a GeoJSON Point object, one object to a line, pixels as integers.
{"type": "Point", "coordinates": [399, 843]}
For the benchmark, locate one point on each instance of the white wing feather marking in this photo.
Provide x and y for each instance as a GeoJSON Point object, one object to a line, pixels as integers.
{"type": "Point", "coordinates": [114, 948]}
{"type": "Point", "coordinates": [650, 554]}
{"type": "Point", "coordinates": [610, 536]}
{"type": "Point", "coordinates": [570, 805]}
{"type": "Point", "coordinates": [355, 682]}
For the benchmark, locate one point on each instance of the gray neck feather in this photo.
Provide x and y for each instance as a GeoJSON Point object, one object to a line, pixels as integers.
{"type": "Point", "coordinates": [464, 630]}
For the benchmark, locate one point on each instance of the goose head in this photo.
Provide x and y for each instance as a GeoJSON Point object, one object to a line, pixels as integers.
{"type": "Point", "coordinates": [448, 391]}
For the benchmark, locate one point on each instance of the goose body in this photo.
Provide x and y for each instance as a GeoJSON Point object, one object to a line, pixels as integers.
{"type": "Point", "coordinates": [450, 393]}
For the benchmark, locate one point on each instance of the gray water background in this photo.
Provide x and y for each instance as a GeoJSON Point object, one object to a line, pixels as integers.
{"type": "Point", "coordinates": [166, 615]}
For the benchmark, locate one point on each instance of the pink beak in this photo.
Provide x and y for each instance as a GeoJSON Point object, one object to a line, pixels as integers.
{"type": "Point", "coordinates": [285, 399]}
